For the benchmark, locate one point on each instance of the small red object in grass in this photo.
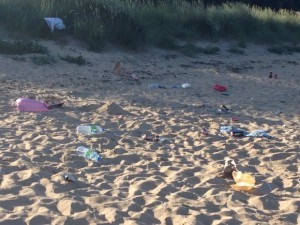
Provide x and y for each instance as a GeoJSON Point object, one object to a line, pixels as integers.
{"type": "Point", "coordinates": [220, 88]}
{"type": "Point", "coordinates": [234, 119]}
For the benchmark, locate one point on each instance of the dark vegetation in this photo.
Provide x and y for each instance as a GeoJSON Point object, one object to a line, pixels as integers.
{"type": "Point", "coordinates": [137, 23]}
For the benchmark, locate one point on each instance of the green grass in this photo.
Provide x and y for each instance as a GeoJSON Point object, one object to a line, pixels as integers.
{"type": "Point", "coordinates": [284, 49]}
{"type": "Point", "coordinates": [236, 50]}
{"type": "Point", "coordinates": [18, 58]}
{"type": "Point", "coordinates": [79, 60]}
{"type": "Point", "coordinates": [133, 25]}
{"type": "Point", "coordinates": [192, 50]}
{"type": "Point", "coordinates": [21, 47]}
{"type": "Point", "coordinates": [43, 60]}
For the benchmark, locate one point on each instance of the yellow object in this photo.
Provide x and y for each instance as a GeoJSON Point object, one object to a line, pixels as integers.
{"type": "Point", "coordinates": [244, 181]}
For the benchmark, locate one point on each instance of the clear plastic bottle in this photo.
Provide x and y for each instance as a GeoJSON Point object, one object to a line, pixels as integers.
{"type": "Point", "coordinates": [88, 153]}
{"type": "Point", "coordinates": [89, 129]}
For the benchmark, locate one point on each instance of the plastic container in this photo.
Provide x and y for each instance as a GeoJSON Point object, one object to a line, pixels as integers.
{"type": "Point", "coordinates": [89, 129]}
{"type": "Point", "coordinates": [88, 153]}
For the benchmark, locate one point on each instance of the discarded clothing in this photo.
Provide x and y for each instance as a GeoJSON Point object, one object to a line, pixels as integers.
{"type": "Point", "coordinates": [258, 133]}
{"type": "Point", "coordinates": [227, 129]}
{"type": "Point", "coordinates": [55, 24]}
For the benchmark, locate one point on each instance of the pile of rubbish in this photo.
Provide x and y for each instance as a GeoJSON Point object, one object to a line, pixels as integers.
{"type": "Point", "coordinates": [237, 132]}
{"type": "Point", "coordinates": [243, 181]}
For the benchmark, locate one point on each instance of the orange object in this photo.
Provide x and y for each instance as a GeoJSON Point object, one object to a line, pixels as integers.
{"type": "Point", "coordinates": [244, 181]}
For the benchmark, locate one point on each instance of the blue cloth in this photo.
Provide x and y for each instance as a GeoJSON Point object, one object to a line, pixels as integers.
{"type": "Point", "coordinates": [258, 133]}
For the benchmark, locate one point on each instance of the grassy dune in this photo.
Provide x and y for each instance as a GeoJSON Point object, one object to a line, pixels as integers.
{"type": "Point", "coordinates": [132, 24]}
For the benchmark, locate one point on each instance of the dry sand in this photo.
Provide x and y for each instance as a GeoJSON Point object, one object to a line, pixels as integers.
{"type": "Point", "coordinates": [175, 182]}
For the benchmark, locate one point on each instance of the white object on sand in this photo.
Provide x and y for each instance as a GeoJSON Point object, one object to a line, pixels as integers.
{"type": "Point", "coordinates": [186, 85]}
{"type": "Point", "coordinates": [55, 23]}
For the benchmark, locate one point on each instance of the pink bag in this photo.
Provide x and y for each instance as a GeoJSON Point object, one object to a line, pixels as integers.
{"type": "Point", "coordinates": [30, 105]}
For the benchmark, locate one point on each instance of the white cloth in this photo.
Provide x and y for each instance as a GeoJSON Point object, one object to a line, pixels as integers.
{"type": "Point", "coordinates": [55, 23]}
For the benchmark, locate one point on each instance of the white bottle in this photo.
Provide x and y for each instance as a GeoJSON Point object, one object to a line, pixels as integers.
{"type": "Point", "coordinates": [89, 129]}
{"type": "Point", "coordinates": [88, 153]}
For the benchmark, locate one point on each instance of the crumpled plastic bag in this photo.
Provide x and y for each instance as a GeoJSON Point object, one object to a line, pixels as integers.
{"type": "Point", "coordinates": [244, 181]}
{"type": "Point", "coordinates": [227, 129]}
{"type": "Point", "coordinates": [55, 23]}
{"type": "Point", "coordinates": [258, 133]}
{"type": "Point", "coordinates": [30, 105]}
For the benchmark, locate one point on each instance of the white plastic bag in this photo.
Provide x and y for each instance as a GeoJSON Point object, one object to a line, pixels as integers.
{"type": "Point", "coordinates": [55, 23]}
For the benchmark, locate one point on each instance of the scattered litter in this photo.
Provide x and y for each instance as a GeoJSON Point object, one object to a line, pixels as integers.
{"type": "Point", "coordinates": [89, 129]}
{"type": "Point", "coordinates": [238, 133]}
{"type": "Point", "coordinates": [204, 131]}
{"type": "Point", "coordinates": [270, 75]}
{"type": "Point", "coordinates": [69, 177]}
{"type": "Point", "coordinates": [155, 86]}
{"type": "Point", "coordinates": [185, 85]}
{"type": "Point", "coordinates": [224, 107]}
{"type": "Point", "coordinates": [277, 113]}
{"type": "Point", "coordinates": [234, 119]}
{"type": "Point", "coordinates": [244, 181]}
{"type": "Point", "coordinates": [53, 102]}
{"type": "Point", "coordinates": [233, 131]}
{"type": "Point", "coordinates": [220, 88]}
{"type": "Point", "coordinates": [224, 93]}
{"type": "Point", "coordinates": [88, 153]}
{"type": "Point", "coordinates": [153, 138]}
{"type": "Point", "coordinates": [30, 105]}
{"type": "Point", "coordinates": [223, 110]}
{"type": "Point", "coordinates": [229, 167]}
{"type": "Point", "coordinates": [134, 76]}
{"type": "Point", "coordinates": [178, 85]}
{"type": "Point", "coordinates": [174, 86]}
{"type": "Point", "coordinates": [258, 133]}
{"type": "Point", "coordinates": [55, 24]}
{"type": "Point", "coordinates": [226, 129]}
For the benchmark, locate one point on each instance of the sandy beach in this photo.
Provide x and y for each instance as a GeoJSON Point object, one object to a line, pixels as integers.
{"type": "Point", "coordinates": [172, 182]}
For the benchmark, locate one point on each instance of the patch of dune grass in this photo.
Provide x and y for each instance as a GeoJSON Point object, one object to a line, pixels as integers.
{"type": "Point", "coordinates": [21, 47]}
{"type": "Point", "coordinates": [79, 60]}
{"type": "Point", "coordinates": [133, 24]}
{"type": "Point", "coordinates": [284, 49]}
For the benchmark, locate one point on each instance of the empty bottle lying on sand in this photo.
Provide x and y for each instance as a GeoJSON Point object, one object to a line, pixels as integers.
{"type": "Point", "coordinates": [89, 129]}
{"type": "Point", "coordinates": [88, 153]}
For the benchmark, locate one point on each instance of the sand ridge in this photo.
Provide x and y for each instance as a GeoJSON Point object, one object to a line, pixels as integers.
{"type": "Point", "coordinates": [177, 181]}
